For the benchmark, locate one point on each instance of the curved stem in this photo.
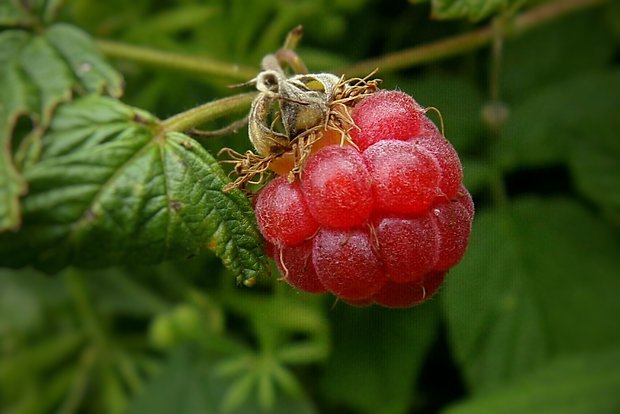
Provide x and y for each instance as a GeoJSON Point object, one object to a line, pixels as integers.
{"type": "Point", "coordinates": [207, 112]}
{"type": "Point", "coordinates": [175, 61]}
{"type": "Point", "coordinates": [461, 44]}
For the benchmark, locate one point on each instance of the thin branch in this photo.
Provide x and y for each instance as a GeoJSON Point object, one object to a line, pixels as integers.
{"type": "Point", "coordinates": [208, 112]}
{"type": "Point", "coordinates": [466, 42]}
{"type": "Point", "coordinates": [229, 129]}
{"type": "Point", "coordinates": [416, 56]}
{"type": "Point", "coordinates": [175, 61]}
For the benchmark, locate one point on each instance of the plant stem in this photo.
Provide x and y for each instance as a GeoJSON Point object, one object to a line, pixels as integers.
{"type": "Point", "coordinates": [497, 184]}
{"type": "Point", "coordinates": [461, 44]}
{"type": "Point", "coordinates": [497, 48]}
{"type": "Point", "coordinates": [207, 112]}
{"type": "Point", "coordinates": [416, 56]}
{"type": "Point", "coordinates": [175, 61]}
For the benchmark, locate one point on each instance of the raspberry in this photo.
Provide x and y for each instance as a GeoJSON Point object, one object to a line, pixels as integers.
{"type": "Point", "coordinates": [386, 115]}
{"type": "Point", "coordinates": [406, 177]}
{"type": "Point", "coordinates": [346, 263]}
{"type": "Point", "coordinates": [404, 295]}
{"type": "Point", "coordinates": [465, 198]}
{"type": "Point", "coordinates": [338, 187]}
{"type": "Point", "coordinates": [409, 246]}
{"type": "Point", "coordinates": [380, 222]}
{"type": "Point", "coordinates": [447, 158]}
{"type": "Point", "coordinates": [453, 220]}
{"type": "Point", "coordinates": [282, 214]}
{"type": "Point", "coordinates": [427, 129]}
{"type": "Point", "coordinates": [295, 263]}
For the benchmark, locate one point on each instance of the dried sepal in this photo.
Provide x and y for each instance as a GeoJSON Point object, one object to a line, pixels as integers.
{"type": "Point", "coordinates": [292, 114]}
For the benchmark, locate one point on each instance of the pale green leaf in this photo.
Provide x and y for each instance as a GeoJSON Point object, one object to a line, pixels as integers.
{"type": "Point", "coordinates": [111, 188]}
{"type": "Point", "coordinates": [189, 384]}
{"type": "Point", "coordinates": [38, 72]}
{"type": "Point", "coordinates": [14, 100]}
{"type": "Point", "coordinates": [580, 384]}
{"type": "Point", "coordinates": [539, 279]}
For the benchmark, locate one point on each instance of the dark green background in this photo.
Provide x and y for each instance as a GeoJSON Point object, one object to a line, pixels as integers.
{"type": "Point", "coordinates": [529, 322]}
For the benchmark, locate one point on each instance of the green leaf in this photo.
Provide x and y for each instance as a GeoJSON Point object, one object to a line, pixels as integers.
{"type": "Point", "coordinates": [111, 188]}
{"type": "Point", "coordinates": [189, 384]}
{"type": "Point", "coordinates": [595, 163]}
{"type": "Point", "coordinates": [584, 384]}
{"type": "Point", "coordinates": [470, 9]}
{"type": "Point", "coordinates": [377, 356]}
{"type": "Point", "coordinates": [38, 72]}
{"type": "Point", "coordinates": [546, 128]}
{"type": "Point", "coordinates": [572, 122]}
{"type": "Point", "coordinates": [539, 279]}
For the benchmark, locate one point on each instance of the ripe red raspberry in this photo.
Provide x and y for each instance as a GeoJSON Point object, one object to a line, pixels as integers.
{"type": "Point", "coordinates": [404, 295]}
{"type": "Point", "coordinates": [295, 264]}
{"type": "Point", "coordinates": [338, 187]}
{"type": "Point", "coordinates": [406, 177]}
{"type": "Point", "coordinates": [447, 158]}
{"type": "Point", "coordinates": [409, 246]}
{"type": "Point", "coordinates": [386, 115]}
{"type": "Point", "coordinates": [453, 220]}
{"type": "Point", "coordinates": [382, 224]}
{"type": "Point", "coordinates": [282, 214]}
{"type": "Point", "coordinates": [346, 263]}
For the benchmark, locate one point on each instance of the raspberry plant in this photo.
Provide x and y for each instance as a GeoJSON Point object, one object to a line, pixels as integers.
{"type": "Point", "coordinates": [140, 262]}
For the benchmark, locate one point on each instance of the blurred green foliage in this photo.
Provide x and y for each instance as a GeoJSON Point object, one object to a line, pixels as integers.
{"type": "Point", "coordinates": [528, 322]}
